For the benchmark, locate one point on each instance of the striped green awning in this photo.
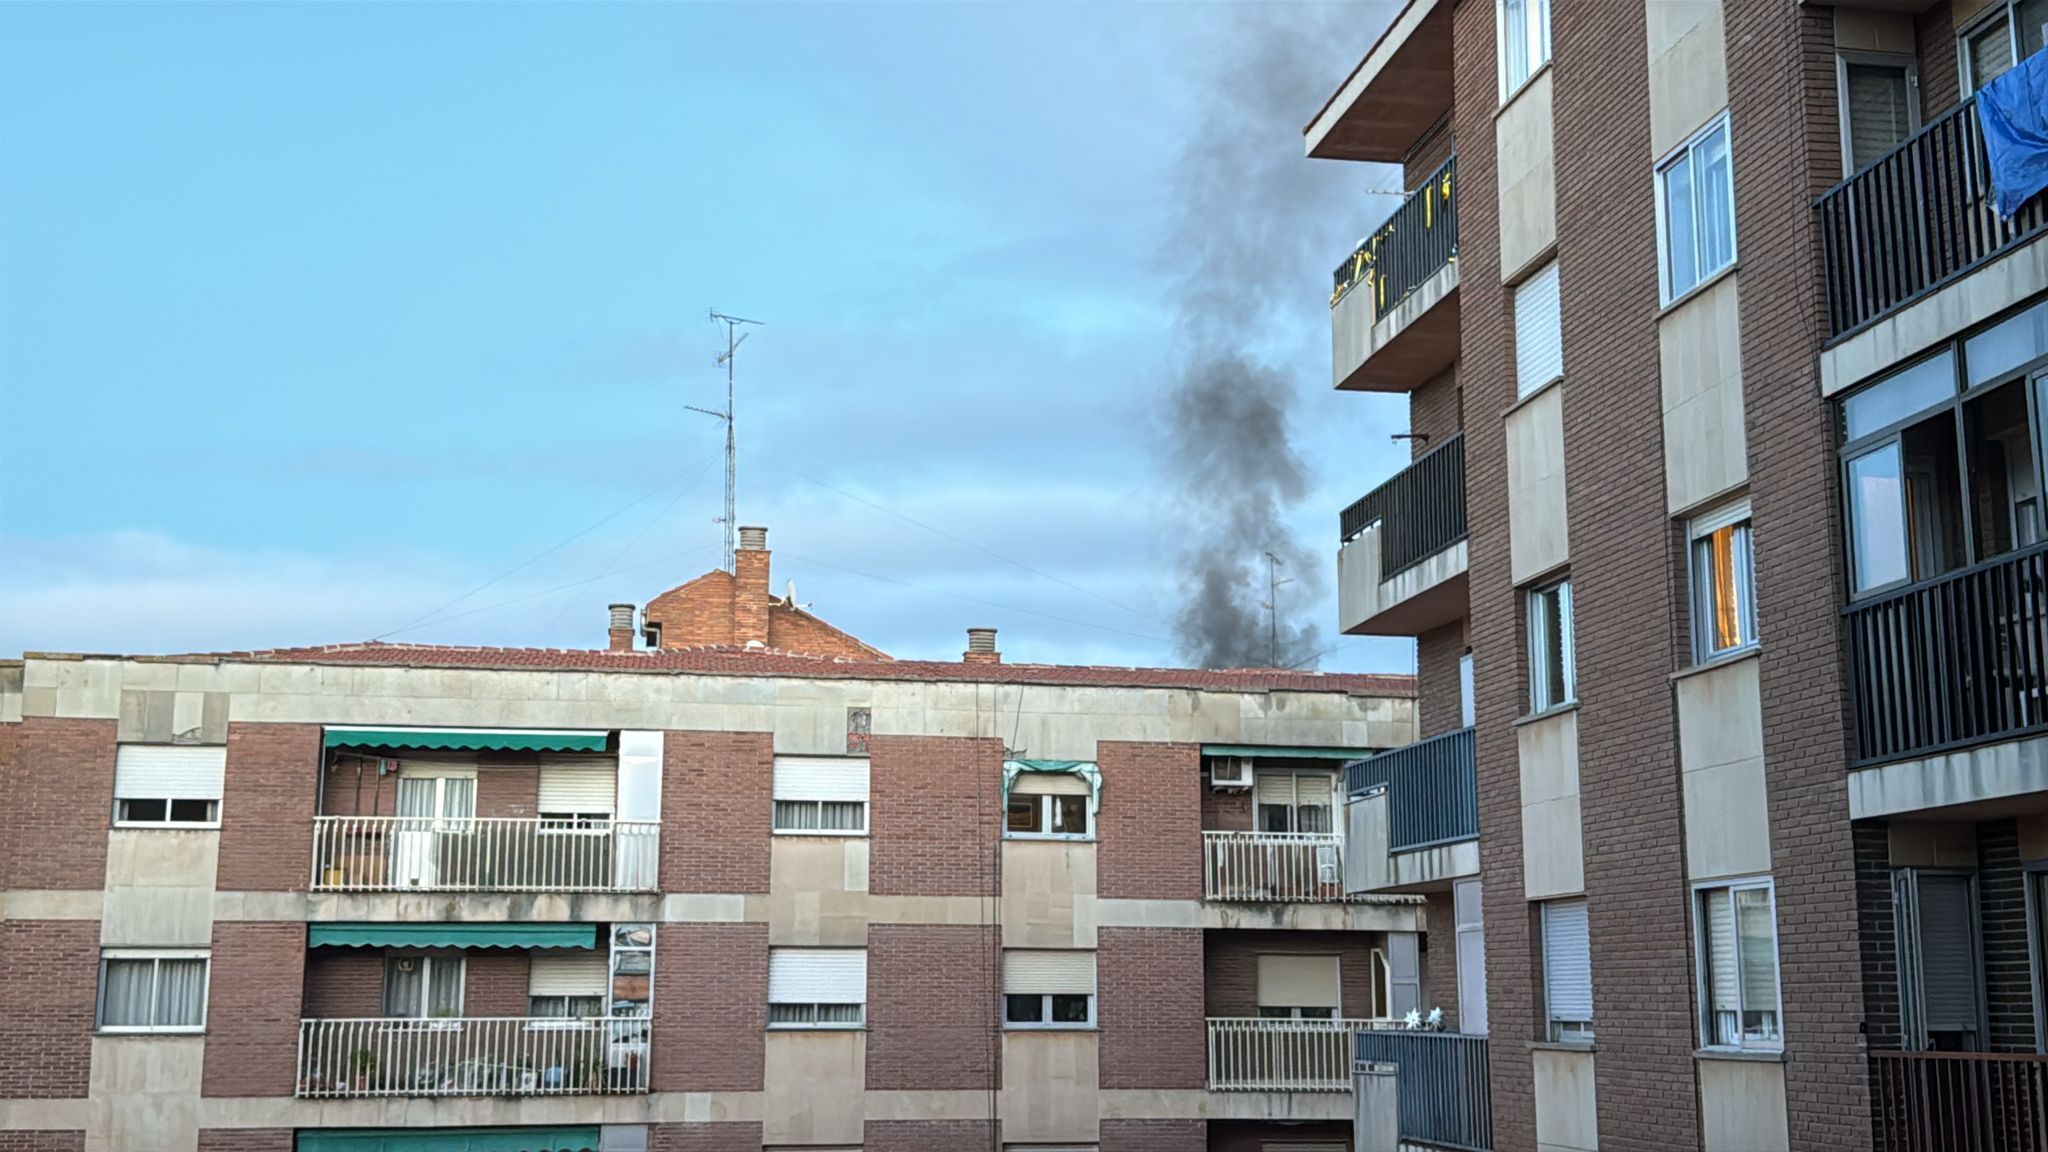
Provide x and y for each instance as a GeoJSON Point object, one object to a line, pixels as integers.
{"type": "Point", "coordinates": [1283, 752]}
{"type": "Point", "coordinates": [451, 936]}
{"type": "Point", "coordinates": [467, 739]}
{"type": "Point", "coordinates": [564, 1138]}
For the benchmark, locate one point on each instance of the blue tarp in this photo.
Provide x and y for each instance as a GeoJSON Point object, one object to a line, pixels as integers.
{"type": "Point", "coordinates": [2014, 113]}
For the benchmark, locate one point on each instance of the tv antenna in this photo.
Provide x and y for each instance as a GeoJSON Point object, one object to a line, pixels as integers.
{"type": "Point", "coordinates": [1272, 607]}
{"type": "Point", "coordinates": [733, 339]}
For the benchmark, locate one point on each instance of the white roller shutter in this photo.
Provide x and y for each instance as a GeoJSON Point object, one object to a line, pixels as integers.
{"type": "Point", "coordinates": [837, 778]}
{"type": "Point", "coordinates": [1567, 961]}
{"type": "Point", "coordinates": [1047, 972]}
{"type": "Point", "coordinates": [164, 772]}
{"type": "Point", "coordinates": [574, 784]}
{"type": "Point", "coordinates": [1275, 788]}
{"type": "Point", "coordinates": [1049, 784]}
{"type": "Point", "coordinates": [1299, 982]}
{"type": "Point", "coordinates": [817, 976]}
{"type": "Point", "coordinates": [1312, 791]}
{"type": "Point", "coordinates": [1539, 335]}
{"type": "Point", "coordinates": [568, 973]}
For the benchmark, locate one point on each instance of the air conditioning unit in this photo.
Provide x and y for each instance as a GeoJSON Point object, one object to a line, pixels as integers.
{"type": "Point", "coordinates": [1230, 772]}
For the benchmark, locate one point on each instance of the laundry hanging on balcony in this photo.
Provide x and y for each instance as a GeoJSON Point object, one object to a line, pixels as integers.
{"type": "Point", "coordinates": [2013, 110]}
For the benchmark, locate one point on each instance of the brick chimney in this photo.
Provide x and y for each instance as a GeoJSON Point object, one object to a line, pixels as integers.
{"type": "Point", "coordinates": [750, 597]}
{"type": "Point", "coordinates": [622, 628]}
{"type": "Point", "coordinates": [981, 647]}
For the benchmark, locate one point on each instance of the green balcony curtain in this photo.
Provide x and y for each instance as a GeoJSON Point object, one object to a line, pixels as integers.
{"type": "Point", "coordinates": [567, 1138]}
{"type": "Point", "coordinates": [1085, 769]}
{"type": "Point", "coordinates": [451, 936]}
{"type": "Point", "coordinates": [1281, 751]}
{"type": "Point", "coordinates": [466, 739]}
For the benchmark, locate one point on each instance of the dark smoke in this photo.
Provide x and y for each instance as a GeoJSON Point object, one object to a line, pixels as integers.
{"type": "Point", "coordinates": [1247, 205]}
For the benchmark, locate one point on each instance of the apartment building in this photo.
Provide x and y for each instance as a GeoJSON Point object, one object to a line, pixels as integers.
{"type": "Point", "coordinates": [1724, 553]}
{"type": "Point", "coordinates": [734, 880]}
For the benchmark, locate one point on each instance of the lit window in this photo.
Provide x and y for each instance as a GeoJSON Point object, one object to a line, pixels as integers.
{"type": "Point", "coordinates": [1738, 966]}
{"type": "Point", "coordinates": [1723, 583]}
{"type": "Point", "coordinates": [1552, 681]}
{"type": "Point", "coordinates": [1524, 42]}
{"type": "Point", "coordinates": [1696, 211]}
{"type": "Point", "coordinates": [152, 990]}
{"type": "Point", "coordinates": [1567, 971]}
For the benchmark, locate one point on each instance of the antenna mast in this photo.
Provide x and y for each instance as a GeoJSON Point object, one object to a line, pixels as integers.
{"type": "Point", "coordinates": [733, 340]}
{"type": "Point", "coordinates": [1272, 607]}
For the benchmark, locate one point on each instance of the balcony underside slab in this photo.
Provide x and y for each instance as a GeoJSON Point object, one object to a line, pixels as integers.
{"type": "Point", "coordinates": [1432, 869]}
{"type": "Point", "coordinates": [1428, 595]}
{"type": "Point", "coordinates": [1397, 93]}
{"type": "Point", "coordinates": [1402, 350]}
{"type": "Point", "coordinates": [1991, 779]}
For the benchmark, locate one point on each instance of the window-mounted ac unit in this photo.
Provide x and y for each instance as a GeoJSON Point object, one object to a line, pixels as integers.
{"type": "Point", "coordinates": [1227, 772]}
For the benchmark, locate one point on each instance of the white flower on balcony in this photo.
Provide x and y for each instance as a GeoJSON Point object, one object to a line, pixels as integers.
{"type": "Point", "coordinates": [1436, 1019]}
{"type": "Point", "coordinates": [1412, 1021]}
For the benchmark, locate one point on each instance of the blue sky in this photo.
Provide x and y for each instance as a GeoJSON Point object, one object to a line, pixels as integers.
{"type": "Point", "coordinates": [315, 317]}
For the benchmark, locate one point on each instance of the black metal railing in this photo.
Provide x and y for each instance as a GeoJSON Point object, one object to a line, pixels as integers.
{"type": "Point", "coordinates": [1914, 219]}
{"type": "Point", "coordinates": [1443, 1085]}
{"type": "Point", "coordinates": [1432, 790]}
{"type": "Point", "coordinates": [1951, 662]}
{"type": "Point", "coordinates": [1959, 1101]}
{"type": "Point", "coordinates": [1420, 511]}
{"type": "Point", "coordinates": [1408, 248]}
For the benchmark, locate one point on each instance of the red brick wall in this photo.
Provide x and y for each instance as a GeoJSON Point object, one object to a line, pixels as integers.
{"type": "Point", "coordinates": [343, 983]}
{"type": "Point", "coordinates": [1940, 80]}
{"type": "Point", "coordinates": [1877, 946]}
{"type": "Point", "coordinates": [934, 815]}
{"type": "Point", "coordinates": [932, 1006]}
{"type": "Point", "coordinates": [1149, 1005]}
{"type": "Point", "coordinates": [1440, 959]}
{"type": "Point", "coordinates": [245, 1140]}
{"type": "Point", "coordinates": [52, 980]}
{"type": "Point", "coordinates": [11, 794]}
{"type": "Point", "coordinates": [43, 1140]}
{"type": "Point", "coordinates": [1429, 155]}
{"type": "Point", "coordinates": [710, 1006]}
{"type": "Point", "coordinates": [494, 982]}
{"type": "Point", "coordinates": [1150, 827]}
{"type": "Point", "coordinates": [252, 1013]}
{"type": "Point", "coordinates": [704, 1138]}
{"type": "Point", "coordinates": [790, 630]}
{"type": "Point", "coordinates": [1437, 653]}
{"type": "Point", "coordinates": [508, 784]}
{"type": "Point", "coordinates": [266, 810]}
{"type": "Point", "coordinates": [354, 788]}
{"type": "Point", "coordinates": [929, 1135]}
{"type": "Point", "coordinates": [1436, 409]}
{"type": "Point", "coordinates": [695, 613]}
{"type": "Point", "coordinates": [1230, 961]}
{"type": "Point", "coordinates": [715, 811]}
{"type": "Point", "coordinates": [2002, 913]}
{"type": "Point", "coordinates": [1226, 811]}
{"type": "Point", "coordinates": [1154, 1135]}
{"type": "Point", "coordinates": [62, 774]}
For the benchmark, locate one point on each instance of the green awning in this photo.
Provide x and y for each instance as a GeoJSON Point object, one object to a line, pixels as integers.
{"type": "Point", "coordinates": [1283, 752]}
{"type": "Point", "coordinates": [451, 936]}
{"type": "Point", "coordinates": [563, 1138]}
{"type": "Point", "coordinates": [467, 739]}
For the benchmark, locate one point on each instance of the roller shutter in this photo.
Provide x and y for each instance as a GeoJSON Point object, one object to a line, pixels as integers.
{"type": "Point", "coordinates": [1031, 972]}
{"type": "Point", "coordinates": [837, 778]}
{"type": "Point", "coordinates": [569, 784]}
{"type": "Point", "coordinates": [1049, 784]}
{"type": "Point", "coordinates": [570, 974]}
{"type": "Point", "coordinates": [1567, 961]}
{"type": "Point", "coordinates": [164, 772]}
{"type": "Point", "coordinates": [1539, 336]}
{"type": "Point", "coordinates": [817, 976]}
{"type": "Point", "coordinates": [1299, 982]}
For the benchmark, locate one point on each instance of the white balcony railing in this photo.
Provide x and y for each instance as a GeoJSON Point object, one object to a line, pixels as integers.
{"type": "Point", "coordinates": [472, 1056]}
{"type": "Point", "coordinates": [1284, 867]}
{"type": "Point", "coordinates": [482, 854]}
{"type": "Point", "coordinates": [1255, 1054]}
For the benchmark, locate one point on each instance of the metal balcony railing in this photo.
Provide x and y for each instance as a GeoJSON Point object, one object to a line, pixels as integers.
{"type": "Point", "coordinates": [1913, 220]}
{"type": "Point", "coordinates": [1432, 790]}
{"type": "Point", "coordinates": [1405, 251]}
{"type": "Point", "coordinates": [1277, 867]}
{"type": "Point", "coordinates": [1959, 1101]}
{"type": "Point", "coordinates": [1420, 511]}
{"type": "Point", "coordinates": [1955, 661]}
{"type": "Point", "coordinates": [1444, 1087]}
{"type": "Point", "coordinates": [1255, 1054]}
{"type": "Point", "coordinates": [472, 1056]}
{"type": "Point", "coordinates": [483, 854]}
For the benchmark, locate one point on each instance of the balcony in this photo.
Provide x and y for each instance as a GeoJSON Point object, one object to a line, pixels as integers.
{"type": "Point", "coordinates": [1952, 662]}
{"type": "Point", "coordinates": [1915, 220]}
{"type": "Point", "coordinates": [1273, 867]}
{"type": "Point", "coordinates": [1413, 821]}
{"type": "Point", "coordinates": [472, 1056]}
{"type": "Point", "coordinates": [1394, 306]}
{"type": "Point", "coordinates": [1939, 1101]}
{"type": "Point", "coordinates": [1398, 92]}
{"type": "Point", "coordinates": [1401, 563]}
{"type": "Point", "coordinates": [1256, 1054]}
{"type": "Point", "coordinates": [1444, 1085]}
{"type": "Point", "coordinates": [479, 854]}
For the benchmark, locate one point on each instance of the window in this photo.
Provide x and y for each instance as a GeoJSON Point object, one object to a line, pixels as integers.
{"type": "Point", "coordinates": [1049, 805]}
{"type": "Point", "coordinates": [1880, 104]}
{"type": "Point", "coordinates": [1539, 336]}
{"type": "Point", "coordinates": [2012, 31]}
{"type": "Point", "coordinates": [821, 795]}
{"type": "Point", "coordinates": [1465, 702]}
{"type": "Point", "coordinates": [1048, 989]}
{"type": "Point", "coordinates": [1524, 42]}
{"type": "Point", "coordinates": [423, 986]}
{"type": "Point", "coordinates": [568, 984]}
{"type": "Point", "coordinates": [1567, 971]}
{"type": "Point", "coordinates": [1295, 801]}
{"type": "Point", "coordinates": [1696, 211]}
{"type": "Point", "coordinates": [1471, 930]}
{"type": "Point", "coordinates": [1723, 582]}
{"type": "Point", "coordinates": [164, 785]}
{"type": "Point", "coordinates": [1737, 948]}
{"type": "Point", "coordinates": [817, 987]}
{"type": "Point", "coordinates": [152, 990]}
{"type": "Point", "coordinates": [1939, 940]}
{"type": "Point", "coordinates": [1552, 681]}
{"type": "Point", "coordinates": [577, 793]}
{"type": "Point", "coordinates": [1292, 987]}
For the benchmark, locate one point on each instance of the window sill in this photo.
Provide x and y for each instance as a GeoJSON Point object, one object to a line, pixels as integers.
{"type": "Point", "coordinates": [816, 1028]}
{"type": "Point", "coordinates": [1753, 1055]}
{"type": "Point", "coordinates": [1547, 714]}
{"type": "Point", "coordinates": [171, 825]}
{"type": "Point", "coordinates": [1508, 101]}
{"type": "Point", "coordinates": [1531, 396]}
{"type": "Point", "coordinates": [1734, 656]}
{"type": "Point", "coordinates": [835, 833]}
{"type": "Point", "coordinates": [1068, 837]}
{"type": "Point", "coordinates": [149, 1033]}
{"type": "Point", "coordinates": [1009, 1027]}
{"type": "Point", "coordinates": [1562, 1046]}
{"type": "Point", "coordinates": [1699, 289]}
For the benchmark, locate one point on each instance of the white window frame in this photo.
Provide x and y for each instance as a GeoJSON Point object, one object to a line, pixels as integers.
{"type": "Point", "coordinates": [1567, 645]}
{"type": "Point", "coordinates": [427, 961]}
{"type": "Point", "coordinates": [124, 821]}
{"type": "Point", "coordinates": [156, 956]}
{"type": "Point", "coordinates": [1045, 1022]}
{"type": "Point", "coordinates": [2006, 10]}
{"type": "Point", "coordinates": [1703, 527]}
{"type": "Point", "coordinates": [808, 1010]}
{"type": "Point", "coordinates": [1467, 695]}
{"type": "Point", "coordinates": [1555, 1028]}
{"type": "Point", "coordinates": [1846, 57]}
{"type": "Point", "coordinates": [1045, 806]}
{"type": "Point", "coordinates": [1702, 965]}
{"type": "Point", "coordinates": [1668, 294]}
{"type": "Point", "coordinates": [1536, 15]}
{"type": "Point", "coordinates": [776, 827]}
{"type": "Point", "coordinates": [1294, 803]}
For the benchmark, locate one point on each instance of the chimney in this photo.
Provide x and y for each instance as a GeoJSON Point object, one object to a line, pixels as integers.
{"type": "Point", "coordinates": [750, 596]}
{"type": "Point", "coordinates": [981, 647]}
{"type": "Point", "coordinates": [622, 628]}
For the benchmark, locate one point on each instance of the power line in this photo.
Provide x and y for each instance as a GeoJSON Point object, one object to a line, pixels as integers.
{"type": "Point", "coordinates": [549, 591]}
{"type": "Point", "coordinates": [612, 565]}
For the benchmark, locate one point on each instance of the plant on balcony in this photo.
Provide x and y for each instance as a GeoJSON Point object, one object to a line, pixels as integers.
{"type": "Point", "coordinates": [362, 1065]}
